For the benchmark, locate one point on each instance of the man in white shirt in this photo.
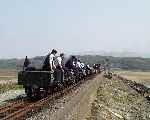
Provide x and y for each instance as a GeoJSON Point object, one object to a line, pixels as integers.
{"type": "Point", "coordinates": [59, 72]}
{"type": "Point", "coordinates": [82, 65]}
{"type": "Point", "coordinates": [78, 64]}
{"type": "Point", "coordinates": [49, 61]}
{"type": "Point", "coordinates": [60, 60]}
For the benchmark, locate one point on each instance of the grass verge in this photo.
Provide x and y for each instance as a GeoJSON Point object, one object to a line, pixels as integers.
{"type": "Point", "coordinates": [7, 87]}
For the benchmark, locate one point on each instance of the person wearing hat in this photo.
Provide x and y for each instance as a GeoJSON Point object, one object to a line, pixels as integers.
{"type": "Point", "coordinates": [49, 61]}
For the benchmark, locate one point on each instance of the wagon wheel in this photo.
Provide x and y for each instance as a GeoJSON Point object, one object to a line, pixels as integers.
{"type": "Point", "coordinates": [28, 92]}
{"type": "Point", "coordinates": [44, 93]}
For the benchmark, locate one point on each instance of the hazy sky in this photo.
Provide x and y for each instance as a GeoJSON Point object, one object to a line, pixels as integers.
{"type": "Point", "coordinates": [33, 27]}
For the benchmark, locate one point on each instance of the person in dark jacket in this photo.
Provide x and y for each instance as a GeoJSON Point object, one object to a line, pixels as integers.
{"type": "Point", "coordinates": [48, 64]}
{"type": "Point", "coordinates": [70, 64]}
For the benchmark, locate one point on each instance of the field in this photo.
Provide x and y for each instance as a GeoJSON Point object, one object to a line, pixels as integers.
{"type": "Point", "coordinates": [8, 80]}
{"type": "Point", "coordinates": [138, 76]}
{"type": "Point", "coordinates": [6, 74]}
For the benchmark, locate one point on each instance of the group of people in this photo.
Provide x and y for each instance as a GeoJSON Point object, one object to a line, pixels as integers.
{"type": "Point", "coordinates": [60, 66]}
{"type": "Point", "coordinates": [53, 63]}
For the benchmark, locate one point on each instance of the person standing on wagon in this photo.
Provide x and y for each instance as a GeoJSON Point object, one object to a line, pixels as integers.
{"type": "Point", "coordinates": [49, 64]}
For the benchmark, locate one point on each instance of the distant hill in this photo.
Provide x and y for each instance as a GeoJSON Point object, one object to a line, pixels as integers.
{"type": "Point", "coordinates": [130, 63]}
{"type": "Point", "coordinates": [116, 54]}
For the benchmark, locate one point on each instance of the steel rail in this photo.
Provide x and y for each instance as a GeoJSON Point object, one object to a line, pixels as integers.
{"type": "Point", "coordinates": [19, 110]}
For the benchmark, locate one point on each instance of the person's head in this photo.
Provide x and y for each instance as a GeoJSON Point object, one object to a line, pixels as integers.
{"type": "Point", "coordinates": [62, 55]}
{"type": "Point", "coordinates": [54, 51]}
{"type": "Point", "coordinates": [74, 58]}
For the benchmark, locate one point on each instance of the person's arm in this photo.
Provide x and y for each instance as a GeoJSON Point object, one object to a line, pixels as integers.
{"type": "Point", "coordinates": [51, 62]}
{"type": "Point", "coordinates": [73, 63]}
{"type": "Point", "coordinates": [54, 66]}
{"type": "Point", "coordinates": [59, 61]}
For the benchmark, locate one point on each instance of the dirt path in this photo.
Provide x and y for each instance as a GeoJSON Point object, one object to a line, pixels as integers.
{"type": "Point", "coordinates": [75, 106]}
{"type": "Point", "coordinates": [82, 102]}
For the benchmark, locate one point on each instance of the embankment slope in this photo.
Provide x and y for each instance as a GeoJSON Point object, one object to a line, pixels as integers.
{"type": "Point", "coordinates": [115, 100]}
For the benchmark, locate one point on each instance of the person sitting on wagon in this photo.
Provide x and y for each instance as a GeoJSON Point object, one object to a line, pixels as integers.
{"type": "Point", "coordinates": [49, 61]}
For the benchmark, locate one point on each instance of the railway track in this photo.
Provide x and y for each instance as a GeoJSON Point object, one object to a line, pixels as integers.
{"type": "Point", "coordinates": [20, 109]}
{"type": "Point", "coordinates": [12, 107]}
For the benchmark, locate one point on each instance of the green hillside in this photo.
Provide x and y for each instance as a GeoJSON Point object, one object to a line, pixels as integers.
{"type": "Point", "coordinates": [128, 63]}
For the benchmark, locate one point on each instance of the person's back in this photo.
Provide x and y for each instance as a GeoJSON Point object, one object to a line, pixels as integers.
{"type": "Point", "coordinates": [69, 64]}
{"type": "Point", "coordinates": [26, 63]}
{"type": "Point", "coordinates": [46, 63]}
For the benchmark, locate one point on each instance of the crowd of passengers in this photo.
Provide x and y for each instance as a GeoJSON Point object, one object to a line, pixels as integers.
{"type": "Point", "coordinates": [53, 63]}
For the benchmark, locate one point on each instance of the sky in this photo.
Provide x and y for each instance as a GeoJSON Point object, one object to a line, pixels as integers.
{"type": "Point", "coordinates": [34, 27]}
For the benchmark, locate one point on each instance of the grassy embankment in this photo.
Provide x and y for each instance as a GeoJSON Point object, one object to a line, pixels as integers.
{"type": "Point", "coordinates": [117, 101]}
{"type": "Point", "coordinates": [7, 87]}
{"type": "Point", "coordinates": [8, 79]}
